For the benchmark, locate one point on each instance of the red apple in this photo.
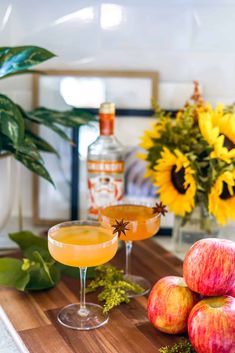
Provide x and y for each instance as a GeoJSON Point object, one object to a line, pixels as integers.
{"type": "Point", "coordinates": [169, 304]}
{"type": "Point", "coordinates": [231, 292]}
{"type": "Point", "coordinates": [209, 266]}
{"type": "Point", "coordinates": [211, 325]}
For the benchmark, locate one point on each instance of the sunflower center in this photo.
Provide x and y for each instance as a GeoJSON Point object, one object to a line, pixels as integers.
{"type": "Point", "coordinates": [178, 180]}
{"type": "Point", "coordinates": [228, 143]}
{"type": "Point", "coordinates": [225, 193]}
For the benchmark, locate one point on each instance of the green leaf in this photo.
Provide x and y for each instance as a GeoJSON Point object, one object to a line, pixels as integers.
{"type": "Point", "coordinates": [68, 118]}
{"type": "Point", "coordinates": [43, 275]}
{"type": "Point", "coordinates": [22, 72]}
{"type": "Point", "coordinates": [34, 165]}
{"type": "Point", "coordinates": [29, 252]}
{"type": "Point", "coordinates": [16, 59]}
{"type": "Point", "coordinates": [26, 238]}
{"type": "Point", "coordinates": [30, 149]}
{"type": "Point", "coordinates": [48, 121]}
{"type": "Point", "coordinates": [53, 118]}
{"type": "Point", "coordinates": [29, 243]}
{"type": "Point", "coordinates": [85, 114]}
{"type": "Point", "coordinates": [12, 275]}
{"type": "Point", "coordinates": [41, 144]}
{"type": "Point", "coordinates": [11, 120]}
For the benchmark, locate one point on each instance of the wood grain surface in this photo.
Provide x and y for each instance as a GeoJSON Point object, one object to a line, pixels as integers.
{"type": "Point", "coordinates": [128, 330]}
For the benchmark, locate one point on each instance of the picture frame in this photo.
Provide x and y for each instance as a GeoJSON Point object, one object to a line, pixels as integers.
{"type": "Point", "coordinates": [46, 202]}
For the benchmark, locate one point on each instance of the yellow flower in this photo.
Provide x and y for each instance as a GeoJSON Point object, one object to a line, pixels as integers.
{"type": "Point", "coordinates": [222, 152]}
{"type": "Point", "coordinates": [218, 129]}
{"type": "Point", "coordinates": [179, 115]}
{"type": "Point", "coordinates": [175, 179]}
{"type": "Point", "coordinates": [222, 197]}
{"type": "Point", "coordinates": [208, 131]}
{"type": "Point", "coordinates": [148, 136]}
{"type": "Point", "coordinates": [142, 156]}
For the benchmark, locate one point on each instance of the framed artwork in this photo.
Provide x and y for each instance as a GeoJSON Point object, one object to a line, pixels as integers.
{"type": "Point", "coordinates": [131, 91]}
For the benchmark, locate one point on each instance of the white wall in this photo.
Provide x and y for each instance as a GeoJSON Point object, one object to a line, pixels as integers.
{"type": "Point", "coordinates": [183, 40]}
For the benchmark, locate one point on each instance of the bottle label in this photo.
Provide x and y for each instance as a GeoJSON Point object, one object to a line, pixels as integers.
{"type": "Point", "coordinates": [105, 184]}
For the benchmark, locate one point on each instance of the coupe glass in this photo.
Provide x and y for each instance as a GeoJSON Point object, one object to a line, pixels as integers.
{"type": "Point", "coordinates": [143, 224]}
{"type": "Point", "coordinates": [82, 244]}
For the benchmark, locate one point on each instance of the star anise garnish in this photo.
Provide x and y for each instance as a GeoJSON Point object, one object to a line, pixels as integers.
{"type": "Point", "coordinates": [120, 227]}
{"type": "Point", "coordinates": [160, 208]}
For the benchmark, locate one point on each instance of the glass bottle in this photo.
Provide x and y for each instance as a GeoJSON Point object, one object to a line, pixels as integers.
{"type": "Point", "coordinates": [105, 164]}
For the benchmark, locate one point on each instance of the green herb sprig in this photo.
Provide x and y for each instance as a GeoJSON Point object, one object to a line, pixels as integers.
{"type": "Point", "coordinates": [183, 346]}
{"type": "Point", "coordinates": [114, 286]}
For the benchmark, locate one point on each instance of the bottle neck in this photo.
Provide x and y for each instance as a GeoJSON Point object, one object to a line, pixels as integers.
{"type": "Point", "coordinates": [106, 124]}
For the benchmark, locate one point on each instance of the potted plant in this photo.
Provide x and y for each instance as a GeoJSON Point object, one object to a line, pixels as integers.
{"type": "Point", "coordinates": [17, 138]}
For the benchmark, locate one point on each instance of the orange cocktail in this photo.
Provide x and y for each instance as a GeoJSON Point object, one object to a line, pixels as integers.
{"type": "Point", "coordinates": [82, 244]}
{"type": "Point", "coordinates": [143, 223]}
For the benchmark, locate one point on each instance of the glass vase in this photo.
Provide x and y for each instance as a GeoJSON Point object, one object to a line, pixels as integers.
{"type": "Point", "coordinates": [199, 224]}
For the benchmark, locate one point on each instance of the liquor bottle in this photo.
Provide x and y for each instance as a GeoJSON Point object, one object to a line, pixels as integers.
{"type": "Point", "coordinates": [105, 164]}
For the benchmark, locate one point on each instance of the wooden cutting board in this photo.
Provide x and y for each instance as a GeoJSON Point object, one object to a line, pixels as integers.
{"type": "Point", "coordinates": [34, 314]}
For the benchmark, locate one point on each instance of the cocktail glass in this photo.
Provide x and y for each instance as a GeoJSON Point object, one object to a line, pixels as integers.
{"type": "Point", "coordinates": [82, 244]}
{"type": "Point", "coordinates": [143, 224]}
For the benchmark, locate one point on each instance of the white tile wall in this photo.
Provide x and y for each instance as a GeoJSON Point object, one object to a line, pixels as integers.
{"type": "Point", "coordinates": [183, 40]}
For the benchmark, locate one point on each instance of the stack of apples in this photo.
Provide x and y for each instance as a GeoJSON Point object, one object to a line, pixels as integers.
{"type": "Point", "coordinates": [202, 302]}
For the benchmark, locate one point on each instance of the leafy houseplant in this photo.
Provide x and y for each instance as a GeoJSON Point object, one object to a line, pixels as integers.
{"type": "Point", "coordinates": [191, 159]}
{"type": "Point", "coordinates": [16, 133]}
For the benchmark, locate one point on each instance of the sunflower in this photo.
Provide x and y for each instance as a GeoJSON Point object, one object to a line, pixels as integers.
{"type": "Point", "coordinates": [207, 128]}
{"type": "Point", "coordinates": [149, 135]}
{"type": "Point", "coordinates": [218, 129]}
{"type": "Point", "coordinates": [222, 152]}
{"type": "Point", "coordinates": [175, 179]}
{"type": "Point", "coordinates": [147, 142]}
{"type": "Point", "coordinates": [222, 197]}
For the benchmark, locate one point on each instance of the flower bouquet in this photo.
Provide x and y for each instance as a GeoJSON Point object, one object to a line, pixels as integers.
{"type": "Point", "coordinates": [191, 159]}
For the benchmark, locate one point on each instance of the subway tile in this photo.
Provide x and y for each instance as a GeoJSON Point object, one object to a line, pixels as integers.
{"type": "Point", "coordinates": [174, 95]}
{"type": "Point", "coordinates": [213, 28]}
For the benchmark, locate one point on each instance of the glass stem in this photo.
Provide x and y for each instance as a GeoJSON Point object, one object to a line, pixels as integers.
{"type": "Point", "coordinates": [128, 256]}
{"type": "Point", "coordinates": [83, 310]}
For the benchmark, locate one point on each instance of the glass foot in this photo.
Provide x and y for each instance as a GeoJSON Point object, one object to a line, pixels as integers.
{"type": "Point", "coordinates": [87, 319]}
{"type": "Point", "coordinates": [141, 281]}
